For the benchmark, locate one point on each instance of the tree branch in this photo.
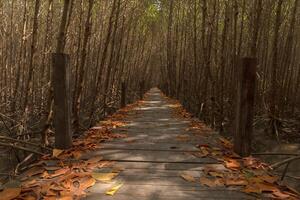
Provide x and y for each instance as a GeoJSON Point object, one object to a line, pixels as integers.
{"type": "Point", "coordinates": [21, 148]}
{"type": "Point", "coordinates": [278, 164]}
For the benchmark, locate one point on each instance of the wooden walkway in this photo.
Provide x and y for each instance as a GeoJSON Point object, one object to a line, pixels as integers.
{"type": "Point", "coordinates": [155, 154]}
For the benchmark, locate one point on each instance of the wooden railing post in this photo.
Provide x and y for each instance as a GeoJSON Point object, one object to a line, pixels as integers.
{"type": "Point", "coordinates": [62, 103]}
{"type": "Point", "coordinates": [142, 89]}
{"type": "Point", "coordinates": [245, 107]}
{"type": "Point", "coordinates": [123, 94]}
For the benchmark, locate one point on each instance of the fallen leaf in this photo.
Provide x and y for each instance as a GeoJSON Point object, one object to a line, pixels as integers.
{"type": "Point", "coordinates": [184, 137]}
{"type": "Point", "coordinates": [117, 169]}
{"type": "Point", "coordinates": [114, 189]}
{"type": "Point", "coordinates": [10, 193]}
{"type": "Point", "coordinates": [281, 195]}
{"type": "Point", "coordinates": [232, 164]}
{"type": "Point", "coordinates": [216, 174]}
{"type": "Point", "coordinates": [86, 183]}
{"type": "Point", "coordinates": [204, 151]}
{"type": "Point", "coordinates": [211, 182]}
{"type": "Point", "coordinates": [269, 179]}
{"type": "Point", "coordinates": [235, 182]}
{"type": "Point", "coordinates": [188, 177]}
{"type": "Point", "coordinates": [77, 154]}
{"type": "Point", "coordinates": [34, 171]}
{"type": "Point", "coordinates": [28, 197]}
{"type": "Point", "coordinates": [66, 197]}
{"type": "Point", "coordinates": [59, 172]}
{"type": "Point", "coordinates": [226, 143]}
{"type": "Point", "coordinates": [252, 189]}
{"type": "Point", "coordinates": [266, 187]}
{"type": "Point", "coordinates": [57, 152]}
{"type": "Point", "coordinates": [104, 177]}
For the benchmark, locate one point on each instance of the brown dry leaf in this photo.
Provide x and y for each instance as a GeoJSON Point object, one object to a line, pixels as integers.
{"type": "Point", "coordinates": [268, 178]}
{"type": "Point", "coordinates": [204, 151]}
{"type": "Point", "coordinates": [10, 193]}
{"type": "Point", "coordinates": [266, 187]}
{"type": "Point", "coordinates": [188, 177]}
{"type": "Point", "coordinates": [30, 183]}
{"type": "Point", "coordinates": [252, 189]}
{"type": "Point", "coordinates": [69, 197]}
{"type": "Point", "coordinates": [104, 177]}
{"type": "Point", "coordinates": [281, 195]}
{"type": "Point", "coordinates": [67, 183]}
{"type": "Point", "coordinates": [183, 138]}
{"type": "Point", "coordinates": [235, 182]}
{"type": "Point", "coordinates": [77, 154]}
{"type": "Point", "coordinates": [86, 182]}
{"type": "Point", "coordinates": [226, 143]}
{"type": "Point", "coordinates": [232, 164]}
{"type": "Point", "coordinates": [45, 188]}
{"type": "Point", "coordinates": [254, 163]}
{"type": "Point", "coordinates": [57, 152]}
{"type": "Point", "coordinates": [117, 169]}
{"type": "Point", "coordinates": [114, 189]}
{"type": "Point", "coordinates": [214, 182]}
{"type": "Point", "coordinates": [56, 187]}
{"type": "Point", "coordinates": [28, 197]}
{"type": "Point", "coordinates": [34, 171]}
{"type": "Point", "coordinates": [216, 174]}
{"type": "Point", "coordinates": [59, 172]}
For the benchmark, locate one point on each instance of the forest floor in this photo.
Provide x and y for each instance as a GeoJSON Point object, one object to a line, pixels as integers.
{"type": "Point", "coordinates": [152, 150]}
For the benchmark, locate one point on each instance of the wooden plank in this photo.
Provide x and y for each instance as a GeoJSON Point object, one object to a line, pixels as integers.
{"type": "Point", "coordinates": [165, 166]}
{"type": "Point", "coordinates": [165, 192]}
{"type": "Point", "coordinates": [151, 156]}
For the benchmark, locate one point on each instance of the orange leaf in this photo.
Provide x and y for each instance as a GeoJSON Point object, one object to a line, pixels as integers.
{"type": "Point", "coordinates": [59, 172]}
{"type": "Point", "coordinates": [216, 174]}
{"type": "Point", "coordinates": [235, 182]}
{"type": "Point", "coordinates": [232, 164]}
{"type": "Point", "coordinates": [252, 189]}
{"type": "Point", "coordinates": [188, 177]}
{"type": "Point", "coordinates": [10, 193]}
{"type": "Point", "coordinates": [34, 171]}
{"type": "Point", "coordinates": [57, 152]}
{"type": "Point", "coordinates": [211, 182]}
{"type": "Point", "coordinates": [86, 183]}
{"type": "Point", "coordinates": [281, 195]}
{"type": "Point", "coordinates": [77, 154]}
{"type": "Point", "coordinates": [183, 138]}
{"type": "Point", "coordinates": [268, 178]}
{"type": "Point", "coordinates": [226, 143]}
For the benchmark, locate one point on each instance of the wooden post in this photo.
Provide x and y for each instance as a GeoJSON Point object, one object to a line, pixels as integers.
{"type": "Point", "coordinates": [123, 94]}
{"type": "Point", "coordinates": [62, 100]}
{"type": "Point", "coordinates": [245, 107]}
{"type": "Point", "coordinates": [142, 89]}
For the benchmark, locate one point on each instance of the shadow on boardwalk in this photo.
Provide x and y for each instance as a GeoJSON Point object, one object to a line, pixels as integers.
{"type": "Point", "coordinates": [156, 152]}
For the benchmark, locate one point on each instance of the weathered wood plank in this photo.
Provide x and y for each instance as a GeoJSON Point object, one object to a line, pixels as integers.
{"type": "Point", "coordinates": [153, 158]}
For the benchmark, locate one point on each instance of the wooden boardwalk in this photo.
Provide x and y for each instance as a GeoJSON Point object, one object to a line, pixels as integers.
{"type": "Point", "coordinates": [154, 155]}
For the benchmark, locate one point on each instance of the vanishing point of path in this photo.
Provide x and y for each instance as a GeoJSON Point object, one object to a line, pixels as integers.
{"type": "Point", "coordinates": [154, 155]}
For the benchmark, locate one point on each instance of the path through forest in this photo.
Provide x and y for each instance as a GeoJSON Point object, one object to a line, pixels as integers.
{"type": "Point", "coordinates": [150, 150]}
{"type": "Point", "coordinates": [156, 153]}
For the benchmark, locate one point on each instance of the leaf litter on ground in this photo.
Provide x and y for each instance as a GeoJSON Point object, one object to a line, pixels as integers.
{"type": "Point", "coordinates": [250, 174]}
{"type": "Point", "coordinates": [64, 175]}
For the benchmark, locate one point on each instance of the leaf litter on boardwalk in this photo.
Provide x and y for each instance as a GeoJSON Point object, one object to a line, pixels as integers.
{"type": "Point", "coordinates": [64, 174]}
{"type": "Point", "coordinates": [249, 173]}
